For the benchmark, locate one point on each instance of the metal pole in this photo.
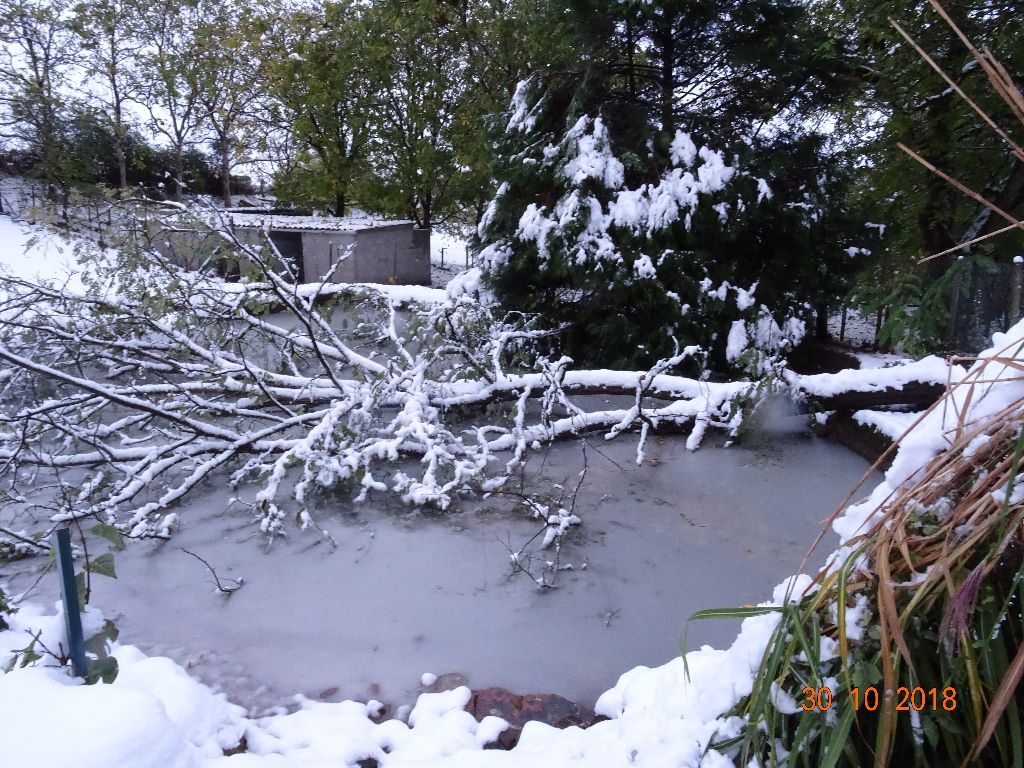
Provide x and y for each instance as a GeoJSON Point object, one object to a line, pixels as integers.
{"type": "Point", "coordinates": [69, 594]}
{"type": "Point", "coordinates": [442, 256]}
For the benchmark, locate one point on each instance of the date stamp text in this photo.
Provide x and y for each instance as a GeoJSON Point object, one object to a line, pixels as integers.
{"type": "Point", "coordinates": [906, 699]}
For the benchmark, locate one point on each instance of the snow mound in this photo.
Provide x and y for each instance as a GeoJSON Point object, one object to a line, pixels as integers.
{"type": "Point", "coordinates": [99, 726]}
{"type": "Point", "coordinates": [989, 386]}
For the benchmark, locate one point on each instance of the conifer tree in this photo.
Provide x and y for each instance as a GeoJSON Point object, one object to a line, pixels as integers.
{"type": "Point", "coordinates": [666, 192]}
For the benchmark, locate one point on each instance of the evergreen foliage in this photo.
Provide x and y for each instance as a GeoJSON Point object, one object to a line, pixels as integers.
{"type": "Point", "coordinates": [670, 186]}
{"type": "Point", "coordinates": [903, 99]}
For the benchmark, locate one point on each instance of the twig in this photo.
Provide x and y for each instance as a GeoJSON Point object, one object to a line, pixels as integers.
{"type": "Point", "coordinates": [962, 187]}
{"type": "Point", "coordinates": [220, 587]}
{"type": "Point", "coordinates": [24, 539]}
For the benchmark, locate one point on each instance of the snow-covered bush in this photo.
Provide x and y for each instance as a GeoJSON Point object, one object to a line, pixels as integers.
{"type": "Point", "coordinates": [634, 242]}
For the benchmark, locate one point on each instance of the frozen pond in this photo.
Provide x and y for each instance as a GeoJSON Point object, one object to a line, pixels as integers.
{"type": "Point", "coordinates": [406, 593]}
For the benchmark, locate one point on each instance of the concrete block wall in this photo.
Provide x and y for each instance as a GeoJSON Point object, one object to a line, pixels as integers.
{"type": "Point", "coordinates": [390, 253]}
{"type": "Point", "coordinates": [321, 250]}
{"type": "Point", "coordinates": [382, 253]}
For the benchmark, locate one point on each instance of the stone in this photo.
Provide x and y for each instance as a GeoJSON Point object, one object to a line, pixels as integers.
{"type": "Point", "coordinates": [445, 682]}
{"type": "Point", "coordinates": [519, 709]}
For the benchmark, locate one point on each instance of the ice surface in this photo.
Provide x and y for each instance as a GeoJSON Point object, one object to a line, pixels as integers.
{"type": "Point", "coordinates": [407, 592]}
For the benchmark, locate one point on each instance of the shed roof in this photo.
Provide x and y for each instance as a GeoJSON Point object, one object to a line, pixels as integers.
{"type": "Point", "coordinates": [281, 222]}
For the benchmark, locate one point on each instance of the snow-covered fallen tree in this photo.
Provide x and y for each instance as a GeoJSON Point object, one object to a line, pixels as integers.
{"type": "Point", "coordinates": [150, 379]}
{"type": "Point", "coordinates": [138, 380]}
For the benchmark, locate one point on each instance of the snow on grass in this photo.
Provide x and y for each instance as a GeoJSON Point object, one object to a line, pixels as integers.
{"type": "Point", "coordinates": [454, 248]}
{"type": "Point", "coordinates": [859, 331]}
{"type": "Point", "coordinates": [33, 253]}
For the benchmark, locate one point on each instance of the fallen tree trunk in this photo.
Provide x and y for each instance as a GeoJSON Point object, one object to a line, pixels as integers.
{"type": "Point", "coordinates": [917, 396]}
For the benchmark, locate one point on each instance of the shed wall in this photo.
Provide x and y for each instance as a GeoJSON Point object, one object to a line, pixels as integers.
{"type": "Point", "coordinates": [387, 254]}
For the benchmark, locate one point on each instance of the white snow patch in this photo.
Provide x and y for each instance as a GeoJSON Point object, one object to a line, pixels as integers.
{"type": "Point", "coordinates": [737, 341]}
{"type": "Point", "coordinates": [928, 370]}
{"type": "Point", "coordinates": [892, 424]}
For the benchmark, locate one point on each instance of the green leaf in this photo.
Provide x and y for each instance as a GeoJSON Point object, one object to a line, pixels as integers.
{"type": "Point", "coordinates": [720, 613]}
{"type": "Point", "coordinates": [80, 584]}
{"type": "Point", "coordinates": [104, 669]}
{"type": "Point", "coordinates": [837, 738]}
{"type": "Point", "coordinates": [102, 565]}
{"type": "Point", "coordinates": [109, 631]}
{"type": "Point", "coordinates": [734, 613]}
{"type": "Point", "coordinates": [110, 533]}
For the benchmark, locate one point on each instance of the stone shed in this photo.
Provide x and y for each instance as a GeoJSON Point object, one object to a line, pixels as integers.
{"type": "Point", "coordinates": [372, 250]}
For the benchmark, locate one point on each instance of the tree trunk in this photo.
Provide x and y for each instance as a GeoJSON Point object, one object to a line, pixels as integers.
{"type": "Point", "coordinates": [1016, 274]}
{"type": "Point", "coordinates": [427, 212]}
{"type": "Point", "coordinates": [339, 204]}
{"type": "Point", "coordinates": [119, 135]}
{"type": "Point", "coordinates": [630, 45]}
{"type": "Point", "coordinates": [179, 171]}
{"type": "Point", "coordinates": [954, 306]}
{"type": "Point", "coordinates": [225, 171]}
{"type": "Point", "coordinates": [915, 394]}
{"type": "Point", "coordinates": [821, 322]}
{"type": "Point", "coordinates": [122, 160]}
{"type": "Point", "coordinates": [668, 81]}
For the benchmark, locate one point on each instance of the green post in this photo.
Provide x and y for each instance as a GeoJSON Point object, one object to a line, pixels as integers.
{"type": "Point", "coordinates": [69, 594]}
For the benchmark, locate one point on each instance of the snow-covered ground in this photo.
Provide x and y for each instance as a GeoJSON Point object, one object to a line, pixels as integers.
{"type": "Point", "coordinates": [859, 330]}
{"type": "Point", "coordinates": [447, 257]}
{"type": "Point", "coordinates": [50, 257]}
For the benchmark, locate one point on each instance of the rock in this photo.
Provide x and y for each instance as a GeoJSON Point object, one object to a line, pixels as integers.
{"type": "Point", "coordinates": [445, 682]}
{"type": "Point", "coordinates": [240, 749]}
{"type": "Point", "coordinates": [518, 710]}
